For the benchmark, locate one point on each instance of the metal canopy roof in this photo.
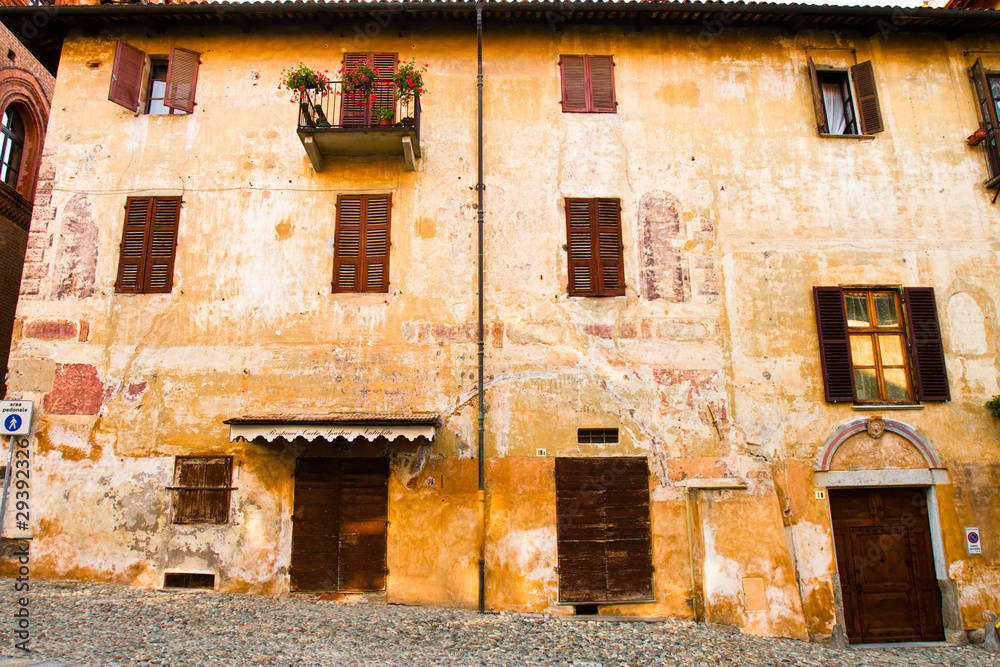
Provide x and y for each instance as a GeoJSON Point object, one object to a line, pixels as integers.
{"type": "Point", "coordinates": [43, 28]}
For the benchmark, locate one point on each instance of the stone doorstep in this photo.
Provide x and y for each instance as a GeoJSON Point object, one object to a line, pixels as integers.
{"type": "Point", "coordinates": [597, 618]}
{"type": "Point", "coordinates": [863, 647]}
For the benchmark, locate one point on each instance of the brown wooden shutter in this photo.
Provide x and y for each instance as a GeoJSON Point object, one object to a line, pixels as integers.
{"type": "Point", "coordinates": [347, 245]}
{"type": "Point", "coordinates": [361, 252]}
{"type": "Point", "coordinates": [834, 345]}
{"type": "Point", "coordinates": [355, 110]}
{"type": "Point", "coordinates": [818, 102]}
{"type": "Point", "coordinates": [609, 234]}
{"type": "Point", "coordinates": [182, 79]}
{"type": "Point", "coordinates": [582, 247]}
{"type": "Point", "coordinates": [132, 256]}
{"type": "Point", "coordinates": [126, 76]}
{"type": "Point", "coordinates": [203, 492]}
{"type": "Point", "coordinates": [925, 344]}
{"type": "Point", "coordinates": [868, 108]}
{"type": "Point", "coordinates": [987, 106]}
{"type": "Point", "coordinates": [353, 106]}
{"type": "Point", "coordinates": [601, 74]}
{"type": "Point", "coordinates": [574, 83]}
{"type": "Point", "coordinates": [162, 244]}
{"type": "Point", "coordinates": [188, 472]}
{"type": "Point", "coordinates": [385, 94]}
{"type": "Point", "coordinates": [215, 501]}
{"type": "Point", "coordinates": [603, 530]}
{"type": "Point", "coordinates": [376, 243]}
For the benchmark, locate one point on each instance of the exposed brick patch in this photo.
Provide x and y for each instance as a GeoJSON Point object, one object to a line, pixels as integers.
{"type": "Point", "coordinates": [58, 330]}
{"type": "Point", "coordinates": [700, 466]}
{"type": "Point", "coordinates": [76, 391]}
{"type": "Point", "coordinates": [84, 330]}
{"type": "Point", "coordinates": [599, 330]}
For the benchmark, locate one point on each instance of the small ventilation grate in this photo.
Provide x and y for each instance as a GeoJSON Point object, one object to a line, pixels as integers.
{"type": "Point", "coordinates": [188, 580]}
{"type": "Point", "coordinates": [585, 609]}
{"type": "Point", "coordinates": [597, 435]}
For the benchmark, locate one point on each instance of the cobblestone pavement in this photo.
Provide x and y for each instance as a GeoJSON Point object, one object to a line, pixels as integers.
{"type": "Point", "coordinates": [91, 624]}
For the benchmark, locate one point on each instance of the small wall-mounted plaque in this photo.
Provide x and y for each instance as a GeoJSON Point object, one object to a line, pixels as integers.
{"type": "Point", "coordinates": [820, 494]}
{"type": "Point", "coordinates": [541, 452]}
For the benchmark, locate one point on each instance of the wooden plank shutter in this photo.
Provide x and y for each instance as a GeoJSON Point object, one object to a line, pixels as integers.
{"type": "Point", "coordinates": [182, 79]}
{"type": "Point", "coordinates": [215, 497]}
{"type": "Point", "coordinates": [987, 106]}
{"type": "Point", "coordinates": [126, 76]}
{"type": "Point", "coordinates": [574, 83]}
{"type": "Point", "coordinates": [609, 234]}
{"type": "Point", "coordinates": [132, 255]}
{"type": "Point", "coordinates": [834, 345]}
{"type": "Point", "coordinates": [818, 102]}
{"type": "Point", "coordinates": [868, 108]}
{"type": "Point", "coordinates": [375, 277]}
{"type": "Point", "coordinates": [582, 247]}
{"type": "Point", "coordinates": [203, 491]}
{"type": "Point", "coordinates": [925, 344]}
{"type": "Point", "coordinates": [188, 472]}
{"type": "Point", "coordinates": [601, 75]}
{"type": "Point", "coordinates": [161, 239]}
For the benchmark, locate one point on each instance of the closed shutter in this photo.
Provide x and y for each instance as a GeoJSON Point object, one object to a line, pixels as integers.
{"type": "Point", "coordinates": [126, 76]}
{"type": "Point", "coordinates": [385, 91]}
{"type": "Point", "coordinates": [594, 242]}
{"type": "Point", "coordinates": [574, 83]}
{"type": "Point", "coordinates": [926, 345]}
{"type": "Point", "coordinates": [203, 489]}
{"type": "Point", "coordinates": [609, 235]}
{"type": "Point", "coordinates": [867, 97]}
{"type": "Point", "coordinates": [182, 79]}
{"type": "Point", "coordinates": [132, 255]}
{"type": "Point", "coordinates": [361, 253]}
{"type": "Point", "coordinates": [601, 70]}
{"type": "Point", "coordinates": [162, 237]}
{"type": "Point", "coordinates": [603, 530]}
{"type": "Point", "coordinates": [582, 248]}
{"type": "Point", "coordinates": [818, 102]}
{"type": "Point", "coordinates": [355, 107]}
{"type": "Point", "coordinates": [834, 346]}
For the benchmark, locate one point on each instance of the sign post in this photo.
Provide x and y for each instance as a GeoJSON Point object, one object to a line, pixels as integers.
{"type": "Point", "coordinates": [15, 419]}
{"type": "Point", "coordinates": [973, 540]}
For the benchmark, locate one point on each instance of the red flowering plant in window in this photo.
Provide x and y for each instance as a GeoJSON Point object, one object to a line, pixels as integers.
{"type": "Point", "coordinates": [409, 81]}
{"type": "Point", "coordinates": [303, 81]}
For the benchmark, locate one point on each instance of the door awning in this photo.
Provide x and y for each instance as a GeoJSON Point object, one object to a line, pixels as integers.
{"type": "Point", "coordinates": [349, 426]}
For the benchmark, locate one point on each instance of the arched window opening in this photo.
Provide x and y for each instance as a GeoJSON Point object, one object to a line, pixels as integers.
{"type": "Point", "coordinates": [11, 145]}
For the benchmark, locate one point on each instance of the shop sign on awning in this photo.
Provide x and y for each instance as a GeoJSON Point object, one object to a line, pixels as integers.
{"type": "Point", "coordinates": [332, 427]}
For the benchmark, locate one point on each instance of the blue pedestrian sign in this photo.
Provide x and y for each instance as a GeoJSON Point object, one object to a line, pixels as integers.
{"type": "Point", "coordinates": [15, 417]}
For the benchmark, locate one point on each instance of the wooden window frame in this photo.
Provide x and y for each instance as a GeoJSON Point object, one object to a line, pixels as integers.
{"type": "Point", "coordinates": [199, 510]}
{"type": "Point", "coordinates": [154, 270]}
{"type": "Point", "coordinates": [864, 99]}
{"type": "Point", "coordinates": [131, 79]}
{"type": "Point", "coordinates": [602, 272]}
{"type": "Point", "coordinates": [919, 326]}
{"type": "Point", "coordinates": [874, 333]}
{"type": "Point", "coordinates": [605, 101]}
{"type": "Point", "coordinates": [360, 264]}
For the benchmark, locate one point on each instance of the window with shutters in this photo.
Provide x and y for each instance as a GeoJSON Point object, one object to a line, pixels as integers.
{"type": "Point", "coordinates": [157, 84]}
{"type": "Point", "coordinates": [149, 245]}
{"type": "Point", "coordinates": [846, 99]}
{"type": "Point", "coordinates": [361, 243]}
{"type": "Point", "coordinates": [594, 245]}
{"type": "Point", "coordinates": [357, 110]}
{"type": "Point", "coordinates": [880, 345]}
{"type": "Point", "coordinates": [588, 84]}
{"type": "Point", "coordinates": [986, 86]}
{"type": "Point", "coordinates": [201, 490]}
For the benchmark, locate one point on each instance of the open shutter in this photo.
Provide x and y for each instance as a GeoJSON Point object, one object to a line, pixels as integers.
{"type": "Point", "coordinates": [818, 102]}
{"type": "Point", "coordinates": [581, 235]}
{"type": "Point", "coordinates": [182, 78]}
{"type": "Point", "coordinates": [988, 111]}
{"type": "Point", "coordinates": [574, 83]}
{"type": "Point", "coordinates": [347, 245]}
{"type": "Point", "coordinates": [126, 76]}
{"type": "Point", "coordinates": [132, 256]}
{"type": "Point", "coordinates": [925, 344]}
{"type": "Point", "coordinates": [162, 242]}
{"type": "Point", "coordinates": [376, 243]}
{"type": "Point", "coordinates": [867, 97]}
{"type": "Point", "coordinates": [601, 71]}
{"type": "Point", "coordinates": [609, 234]}
{"type": "Point", "coordinates": [385, 91]}
{"type": "Point", "coordinates": [834, 345]}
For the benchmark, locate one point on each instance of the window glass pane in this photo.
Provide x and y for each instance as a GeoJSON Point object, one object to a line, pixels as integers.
{"type": "Point", "coordinates": [866, 384]}
{"type": "Point", "coordinates": [857, 310]}
{"type": "Point", "coordinates": [862, 352]}
{"type": "Point", "coordinates": [156, 106]}
{"type": "Point", "coordinates": [885, 310]}
{"type": "Point", "coordinates": [895, 384]}
{"type": "Point", "coordinates": [891, 349]}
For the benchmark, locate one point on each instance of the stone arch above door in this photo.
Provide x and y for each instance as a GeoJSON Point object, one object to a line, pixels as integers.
{"type": "Point", "coordinates": [906, 433]}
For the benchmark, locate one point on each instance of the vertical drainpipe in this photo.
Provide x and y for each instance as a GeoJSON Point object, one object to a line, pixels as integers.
{"type": "Point", "coordinates": [481, 435]}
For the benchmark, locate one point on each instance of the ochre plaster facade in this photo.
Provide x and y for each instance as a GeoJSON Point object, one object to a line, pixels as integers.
{"type": "Point", "coordinates": [732, 209]}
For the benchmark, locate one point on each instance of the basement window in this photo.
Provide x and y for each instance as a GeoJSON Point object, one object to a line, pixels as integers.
{"type": "Point", "coordinates": [597, 436]}
{"type": "Point", "coordinates": [189, 580]}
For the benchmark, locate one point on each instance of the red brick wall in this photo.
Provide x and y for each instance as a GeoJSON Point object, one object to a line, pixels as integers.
{"type": "Point", "coordinates": [13, 241]}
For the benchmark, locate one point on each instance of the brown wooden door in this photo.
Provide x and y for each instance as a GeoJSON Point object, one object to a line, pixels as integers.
{"type": "Point", "coordinates": [339, 524]}
{"type": "Point", "coordinates": [887, 579]}
{"type": "Point", "coordinates": [603, 530]}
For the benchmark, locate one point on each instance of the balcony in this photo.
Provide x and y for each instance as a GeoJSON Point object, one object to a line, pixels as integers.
{"type": "Point", "coordinates": [346, 125]}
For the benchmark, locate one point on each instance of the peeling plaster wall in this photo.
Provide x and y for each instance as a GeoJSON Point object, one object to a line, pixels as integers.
{"type": "Point", "coordinates": [732, 208]}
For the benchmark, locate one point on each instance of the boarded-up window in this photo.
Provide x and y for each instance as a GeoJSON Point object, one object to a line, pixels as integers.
{"type": "Point", "coordinates": [361, 244]}
{"type": "Point", "coordinates": [149, 245]}
{"type": "Point", "coordinates": [603, 530]}
{"type": "Point", "coordinates": [588, 84]}
{"type": "Point", "coordinates": [845, 100]}
{"type": "Point", "coordinates": [201, 489]}
{"type": "Point", "coordinates": [136, 82]}
{"type": "Point", "coordinates": [870, 354]}
{"type": "Point", "coordinates": [594, 244]}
